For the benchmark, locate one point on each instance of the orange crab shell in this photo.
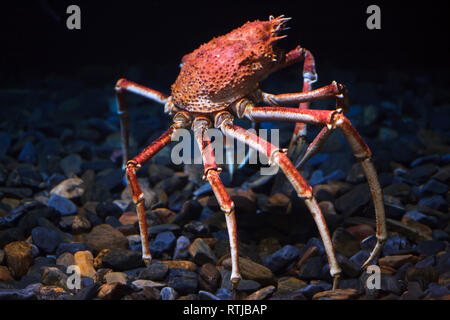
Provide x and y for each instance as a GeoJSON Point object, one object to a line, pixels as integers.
{"type": "Point", "coordinates": [228, 67]}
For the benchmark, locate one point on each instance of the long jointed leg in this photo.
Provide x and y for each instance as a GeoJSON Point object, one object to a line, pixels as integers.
{"type": "Point", "coordinates": [334, 90]}
{"type": "Point", "coordinates": [122, 87]}
{"type": "Point", "coordinates": [211, 173]}
{"type": "Point", "coordinates": [335, 119]}
{"type": "Point", "coordinates": [133, 165]}
{"type": "Point", "coordinates": [302, 188]}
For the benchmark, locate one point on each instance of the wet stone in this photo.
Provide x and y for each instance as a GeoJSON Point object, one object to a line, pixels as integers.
{"type": "Point", "coordinates": [113, 291]}
{"type": "Point", "coordinates": [66, 259]}
{"type": "Point", "coordinates": [360, 257]}
{"type": "Point", "coordinates": [420, 173]}
{"type": "Point", "coordinates": [197, 228]}
{"type": "Point", "coordinates": [338, 294]}
{"type": "Point", "coordinates": [163, 242]}
{"type": "Point", "coordinates": [248, 286]}
{"type": "Point", "coordinates": [209, 277]}
{"type": "Point", "coordinates": [85, 261]}
{"type": "Point", "coordinates": [430, 247]}
{"type": "Point", "coordinates": [64, 206]}
{"type": "Point", "coordinates": [287, 285]}
{"type": "Point", "coordinates": [47, 240]}
{"type": "Point", "coordinates": [355, 199]}
{"type": "Point", "coordinates": [427, 262]}
{"type": "Point", "coordinates": [183, 281]}
{"type": "Point", "coordinates": [72, 248]}
{"type": "Point", "coordinates": [436, 291]}
{"type": "Point", "coordinates": [168, 293]}
{"type": "Point", "coordinates": [75, 224]}
{"type": "Point", "coordinates": [262, 294]}
{"type": "Point", "coordinates": [280, 259]}
{"type": "Point", "coordinates": [71, 165]}
{"type": "Point", "coordinates": [252, 271]}
{"type": "Point", "coordinates": [434, 187]}
{"type": "Point", "coordinates": [119, 259]}
{"type": "Point", "coordinates": [70, 188]}
{"type": "Point", "coordinates": [310, 290]}
{"type": "Point", "coordinates": [105, 237]}
{"type": "Point", "coordinates": [421, 218]}
{"type": "Point", "coordinates": [155, 272]}
{"type": "Point", "coordinates": [344, 242]}
{"type": "Point", "coordinates": [5, 275]}
{"type": "Point", "coordinates": [108, 208]}
{"type": "Point", "coordinates": [182, 248]}
{"type": "Point", "coordinates": [113, 221]}
{"type": "Point", "coordinates": [141, 284]}
{"type": "Point", "coordinates": [18, 257]}
{"type": "Point", "coordinates": [54, 277]}
{"type": "Point", "coordinates": [396, 245]}
{"type": "Point", "coordinates": [435, 202]}
{"type": "Point", "coordinates": [201, 252]}
{"type": "Point", "coordinates": [311, 269]}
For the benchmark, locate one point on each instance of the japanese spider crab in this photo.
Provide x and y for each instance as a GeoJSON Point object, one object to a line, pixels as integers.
{"type": "Point", "coordinates": [219, 81]}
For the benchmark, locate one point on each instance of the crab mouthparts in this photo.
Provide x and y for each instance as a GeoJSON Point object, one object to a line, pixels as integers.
{"type": "Point", "coordinates": [279, 26]}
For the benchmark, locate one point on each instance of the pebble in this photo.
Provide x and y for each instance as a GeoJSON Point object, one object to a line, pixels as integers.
{"type": "Point", "coordinates": [18, 258]}
{"type": "Point", "coordinates": [113, 291]}
{"type": "Point", "coordinates": [344, 242]}
{"type": "Point", "coordinates": [108, 208]}
{"type": "Point", "coordinates": [164, 242]}
{"type": "Point", "coordinates": [46, 239]}
{"type": "Point", "coordinates": [5, 275]}
{"type": "Point", "coordinates": [105, 237]}
{"type": "Point", "coordinates": [75, 224]}
{"type": "Point", "coordinates": [168, 293]}
{"type": "Point", "coordinates": [85, 261]}
{"type": "Point", "coordinates": [396, 261]}
{"type": "Point", "coordinates": [52, 276]}
{"type": "Point", "coordinates": [182, 248]}
{"type": "Point", "coordinates": [128, 217]}
{"type": "Point", "coordinates": [72, 247]}
{"type": "Point", "coordinates": [209, 277]}
{"type": "Point", "coordinates": [201, 252]}
{"type": "Point", "coordinates": [141, 284]}
{"type": "Point", "coordinates": [253, 271]}
{"type": "Point", "coordinates": [430, 247]}
{"type": "Point", "coordinates": [280, 259]}
{"type": "Point", "coordinates": [183, 281]}
{"type": "Point", "coordinates": [155, 272]}
{"type": "Point", "coordinates": [65, 259]}
{"type": "Point", "coordinates": [70, 188]}
{"type": "Point", "coordinates": [310, 290]}
{"type": "Point", "coordinates": [71, 165]}
{"type": "Point", "coordinates": [63, 205]}
{"type": "Point", "coordinates": [181, 264]}
{"type": "Point", "coordinates": [338, 294]}
{"type": "Point", "coordinates": [290, 284]}
{"type": "Point", "coordinates": [120, 259]}
{"type": "Point", "coordinates": [311, 269]}
{"type": "Point", "coordinates": [262, 294]}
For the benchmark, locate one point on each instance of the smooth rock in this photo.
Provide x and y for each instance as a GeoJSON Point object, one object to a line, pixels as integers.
{"type": "Point", "coordinates": [18, 258]}
{"type": "Point", "coordinates": [70, 188]}
{"type": "Point", "coordinates": [63, 205]}
{"type": "Point", "coordinates": [105, 237]}
{"type": "Point", "coordinates": [280, 259]}
{"type": "Point", "coordinates": [85, 261]}
{"type": "Point", "coordinates": [155, 272]}
{"type": "Point", "coordinates": [46, 239]}
{"type": "Point", "coordinates": [201, 252]}
{"type": "Point", "coordinates": [183, 281]}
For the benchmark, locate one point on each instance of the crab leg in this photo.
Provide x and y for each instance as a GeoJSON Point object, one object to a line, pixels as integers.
{"type": "Point", "coordinates": [123, 86]}
{"type": "Point", "coordinates": [211, 173]}
{"type": "Point", "coordinates": [132, 166]}
{"type": "Point", "coordinates": [333, 119]}
{"type": "Point", "coordinates": [302, 188]}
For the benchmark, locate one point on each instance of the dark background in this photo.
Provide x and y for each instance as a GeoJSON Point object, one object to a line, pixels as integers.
{"type": "Point", "coordinates": [35, 41]}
